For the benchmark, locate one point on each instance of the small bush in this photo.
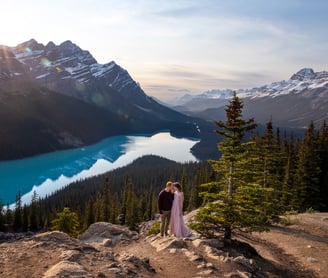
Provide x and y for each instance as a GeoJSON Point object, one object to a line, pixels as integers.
{"type": "Point", "coordinates": [309, 210]}
{"type": "Point", "coordinates": [154, 229]}
{"type": "Point", "coordinates": [291, 212]}
{"type": "Point", "coordinates": [67, 222]}
{"type": "Point", "coordinates": [288, 220]}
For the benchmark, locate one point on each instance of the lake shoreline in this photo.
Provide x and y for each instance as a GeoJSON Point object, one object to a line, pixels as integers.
{"type": "Point", "coordinates": [55, 170]}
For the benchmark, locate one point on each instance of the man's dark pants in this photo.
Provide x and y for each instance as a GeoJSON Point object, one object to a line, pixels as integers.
{"type": "Point", "coordinates": [165, 221]}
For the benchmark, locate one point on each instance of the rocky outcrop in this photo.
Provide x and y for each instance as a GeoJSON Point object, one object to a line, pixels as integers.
{"type": "Point", "coordinates": [209, 256]}
{"type": "Point", "coordinates": [66, 269]}
{"type": "Point", "coordinates": [107, 234]}
{"type": "Point", "coordinates": [56, 254]}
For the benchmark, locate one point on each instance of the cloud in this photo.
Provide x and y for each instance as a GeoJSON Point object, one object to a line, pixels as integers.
{"type": "Point", "coordinates": [174, 80]}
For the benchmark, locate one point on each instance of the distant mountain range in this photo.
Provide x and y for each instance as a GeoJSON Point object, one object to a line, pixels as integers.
{"type": "Point", "coordinates": [291, 103]}
{"type": "Point", "coordinates": [57, 96]}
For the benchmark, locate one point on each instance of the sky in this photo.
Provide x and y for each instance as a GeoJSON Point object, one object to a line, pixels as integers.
{"type": "Point", "coordinates": [177, 47]}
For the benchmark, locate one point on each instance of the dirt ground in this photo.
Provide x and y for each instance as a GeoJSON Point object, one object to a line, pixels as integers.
{"type": "Point", "coordinates": [299, 250]}
{"type": "Point", "coordinates": [296, 250]}
{"type": "Point", "coordinates": [304, 243]}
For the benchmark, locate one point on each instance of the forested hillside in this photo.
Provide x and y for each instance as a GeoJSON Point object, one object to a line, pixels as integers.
{"type": "Point", "coordinates": [115, 196]}
{"type": "Point", "coordinates": [296, 170]}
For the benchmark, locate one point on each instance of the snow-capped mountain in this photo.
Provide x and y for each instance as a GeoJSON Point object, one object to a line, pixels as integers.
{"type": "Point", "coordinates": [69, 70]}
{"type": "Point", "coordinates": [304, 80]}
{"type": "Point", "coordinates": [293, 102]}
{"type": "Point", "coordinates": [59, 96]}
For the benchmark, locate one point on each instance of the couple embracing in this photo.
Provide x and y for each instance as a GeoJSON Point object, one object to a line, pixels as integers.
{"type": "Point", "coordinates": [170, 205]}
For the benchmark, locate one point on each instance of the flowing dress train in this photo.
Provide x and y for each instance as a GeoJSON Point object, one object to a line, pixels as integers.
{"type": "Point", "coordinates": [177, 225]}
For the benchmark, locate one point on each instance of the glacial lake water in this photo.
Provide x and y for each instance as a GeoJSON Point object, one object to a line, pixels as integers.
{"type": "Point", "coordinates": [49, 172]}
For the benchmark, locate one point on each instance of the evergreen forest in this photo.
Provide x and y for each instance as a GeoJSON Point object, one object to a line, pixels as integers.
{"type": "Point", "coordinates": [253, 182]}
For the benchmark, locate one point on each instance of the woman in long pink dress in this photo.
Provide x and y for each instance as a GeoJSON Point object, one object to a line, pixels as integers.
{"type": "Point", "coordinates": [177, 225]}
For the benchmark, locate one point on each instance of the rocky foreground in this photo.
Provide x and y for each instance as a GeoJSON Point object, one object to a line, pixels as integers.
{"type": "Point", "coordinates": [107, 250]}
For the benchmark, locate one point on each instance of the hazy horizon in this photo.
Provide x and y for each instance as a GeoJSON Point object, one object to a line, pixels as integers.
{"type": "Point", "coordinates": [176, 47]}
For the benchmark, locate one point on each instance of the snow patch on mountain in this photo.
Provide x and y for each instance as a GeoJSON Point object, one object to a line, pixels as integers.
{"type": "Point", "coordinates": [98, 70]}
{"type": "Point", "coordinates": [68, 61]}
{"type": "Point", "coordinates": [217, 94]}
{"type": "Point", "coordinates": [305, 79]}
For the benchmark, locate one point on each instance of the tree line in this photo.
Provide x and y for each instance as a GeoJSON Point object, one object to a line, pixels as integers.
{"type": "Point", "coordinates": [256, 179]}
{"type": "Point", "coordinates": [126, 196]}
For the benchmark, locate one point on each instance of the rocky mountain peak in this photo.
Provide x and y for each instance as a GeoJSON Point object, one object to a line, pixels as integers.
{"type": "Point", "coordinates": [50, 45]}
{"type": "Point", "coordinates": [69, 46]}
{"type": "Point", "coordinates": [71, 71]}
{"type": "Point", "coordinates": [303, 74]}
{"type": "Point", "coordinates": [32, 44]}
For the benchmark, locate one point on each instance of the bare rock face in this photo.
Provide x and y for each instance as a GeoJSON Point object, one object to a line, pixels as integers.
{"type": "Point", "coordinates": [56, 237]}
{"type": "Point", "coordinates": [107, 234]}
{"type": "Point", "coordinates": [66, 269]}
{"type": "Point", "coordinates": [166, 243]}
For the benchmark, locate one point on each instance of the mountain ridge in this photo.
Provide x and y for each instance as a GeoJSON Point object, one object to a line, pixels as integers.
{"type": "Point", "coordinates": [305, 78]}
{"type": "Point", "coordinates": [291, 103]}
{"type": "Point", "coordinates": [75, 82]}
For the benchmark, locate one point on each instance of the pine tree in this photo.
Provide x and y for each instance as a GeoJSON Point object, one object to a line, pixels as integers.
{"type": "Point", "coordinates": [25, 219]}
{"type": "Point", "coordinates": [89, 217]}
{"type": "Point", "coordinates": [185, 188]}
{"type": "Point", "coordinates": [122, 216]}
{"type": "Point", "coordinates": [271, 159]}
{"type": "Point", "coordinates": [201, 177]}
{"type": "Point", "coordinates": [308, 172]}
{"type": "Point", "coordinates": [107, 201]}
{"type": "Point", "coordinates": [132, 213]}
{"type": "Point", "coordinates": [9, 216]}
{"type": "Point", "coordinates": [235, 200]}
{"type": "Point", "coordinates": [67, 222]}
{"type": "Point", "coordinates": [18, 213]}
{"type": "Point", "coordinates": [323, 155]}
{"type": "Point", "coordinates": [289, 192]}
{"type": "Point", "coordinates": [99, 208]}
{"type": "Point", "coordinates": [34, 213]}
{"type": "Point", "coordinates": [142, 208]}
{"type": "Point", "coordinates": [2, 218]}
{"type": "Point", "coordinates": [149, 212]}
{"type": "Point", "coordinates": [114, 209]}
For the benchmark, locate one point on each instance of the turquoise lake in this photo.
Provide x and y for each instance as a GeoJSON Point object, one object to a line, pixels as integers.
{"type": "Point", "coordinates": [49, 172]}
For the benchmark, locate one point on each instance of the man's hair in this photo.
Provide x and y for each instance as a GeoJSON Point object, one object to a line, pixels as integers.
{"type": "Point", "coordinates": [169, 183]}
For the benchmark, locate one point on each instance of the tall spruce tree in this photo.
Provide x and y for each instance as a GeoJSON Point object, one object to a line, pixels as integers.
{"type": "Point", "coordinates": [9, 216]}
{"type": "Point", "coordinates": [114, 209]}
{"type": "Point", "coordinates": [18, 213]}
{"type": "Point", "coordinates": [99, 208]}
{"type": "Point", "coordinates": [106, 200]}
{"type": "Point", "coordinates": [25, 218]}
{"type": "Point", "coordinates": [323, 178]}
{"type": "Point", "coordinates": [2, 218]}
{"type": "Point", "coordinates": [185, 188]}
{"type": "Point", "coordinates": [89, 216]}
{"type": "Point", "coordinates": [235, 200]}
{"type": "Point", "coordinates": [132, 213]}
{"type": "Point", "coordinates": [289, 191]}
{"type": "Point", "coordinates": [34, 212]}
{"type": "Point", "coordinates": [308, 172]}
{"type": "Point", "coordinates": [149, 212]}
{"type": "Point", "coordinates": [271, 160]}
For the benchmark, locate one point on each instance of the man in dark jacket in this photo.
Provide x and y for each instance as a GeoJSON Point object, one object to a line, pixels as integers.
{"type": "Point", "coordinates": [165, 200]}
